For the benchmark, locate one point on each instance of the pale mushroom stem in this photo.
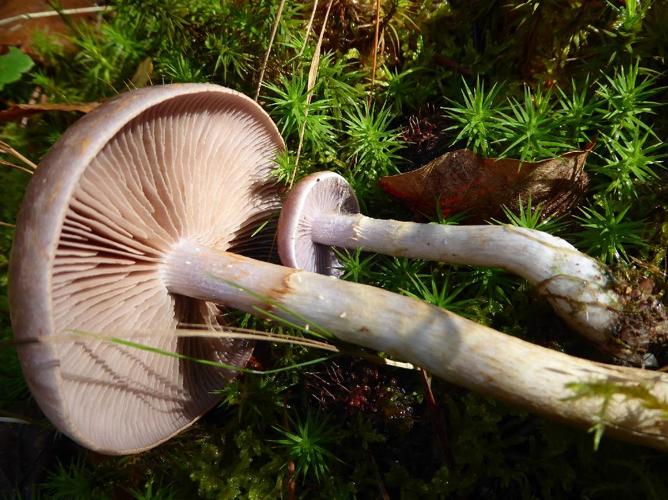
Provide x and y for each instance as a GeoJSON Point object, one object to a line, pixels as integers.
{"type": "Point", "coordinates": [453, 348]}
{"type": "Point", "coordinates": [577, 286]}
{"type": "Point", "coordinates": [322, 212]}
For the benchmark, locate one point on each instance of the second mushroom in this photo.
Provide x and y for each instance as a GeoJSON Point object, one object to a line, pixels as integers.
{"type": "Point", "coordinates": [322, 212]}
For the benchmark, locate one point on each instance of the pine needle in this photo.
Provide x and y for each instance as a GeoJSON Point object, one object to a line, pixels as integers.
{"type": "Point", "coordinates": [7, 149]}
{"type": "Point", "coordinates": [17, 167]}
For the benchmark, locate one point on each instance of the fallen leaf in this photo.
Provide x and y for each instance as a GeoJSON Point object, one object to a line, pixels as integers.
{"type": "Point", "coordinates": [18, 111]}
{"type": "Point", "coordinates": [462, 181]}
{"type": "Point", "coordinates": [142, 76]}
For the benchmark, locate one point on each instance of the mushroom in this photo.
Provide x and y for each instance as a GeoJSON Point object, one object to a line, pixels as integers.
{"type": "Point", "coordinates": [130, 223]}
{"type": "Point", "coordinates": [322, 212]}
{"type": "Point", "coordinates": [119, 189]}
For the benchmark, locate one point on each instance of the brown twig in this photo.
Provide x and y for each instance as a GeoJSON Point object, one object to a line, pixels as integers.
{"type": "Point", "coordinates": [437, 419]}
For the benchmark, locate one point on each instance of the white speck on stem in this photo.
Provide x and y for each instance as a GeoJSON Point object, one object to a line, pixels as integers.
{"type": "Point", "coordinates": [342, 315]}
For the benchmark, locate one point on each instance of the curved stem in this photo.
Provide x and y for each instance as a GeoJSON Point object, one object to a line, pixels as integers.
{"type": "Point", "coordinates": [576, 285]}
{"type": "Point", "coordinates": [450, 347]}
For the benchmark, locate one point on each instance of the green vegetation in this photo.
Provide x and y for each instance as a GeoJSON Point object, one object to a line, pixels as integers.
{"type": "Point", "coordinates": [521, 79]}
{"type": "Point", "coordinates": [12, 66]}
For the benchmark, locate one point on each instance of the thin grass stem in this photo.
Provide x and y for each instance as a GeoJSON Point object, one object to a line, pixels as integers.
{"type": "Point", "coordinates": [274, 29]}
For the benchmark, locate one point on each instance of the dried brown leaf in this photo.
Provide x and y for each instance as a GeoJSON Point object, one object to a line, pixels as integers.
{"type": "Point", "coordinates": [462, 181]}
{"type": "Point", "coordinates": [142, 76]}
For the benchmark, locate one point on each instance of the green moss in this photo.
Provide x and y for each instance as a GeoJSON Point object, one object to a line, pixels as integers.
{"type": "Point", "coordinates": [528, 79]}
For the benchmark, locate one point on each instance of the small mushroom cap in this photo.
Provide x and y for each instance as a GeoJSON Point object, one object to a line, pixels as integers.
{"type": "Point", "coordinates": [122, 186]}
{"type": "Point", "coordinates": [321, 193]}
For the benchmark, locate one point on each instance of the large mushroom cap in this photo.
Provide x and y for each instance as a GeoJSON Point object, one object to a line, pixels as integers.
{"type": "Point", "coordinates": [321, 193]}
{"type": "Point", "coordinates": [118, 190]}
